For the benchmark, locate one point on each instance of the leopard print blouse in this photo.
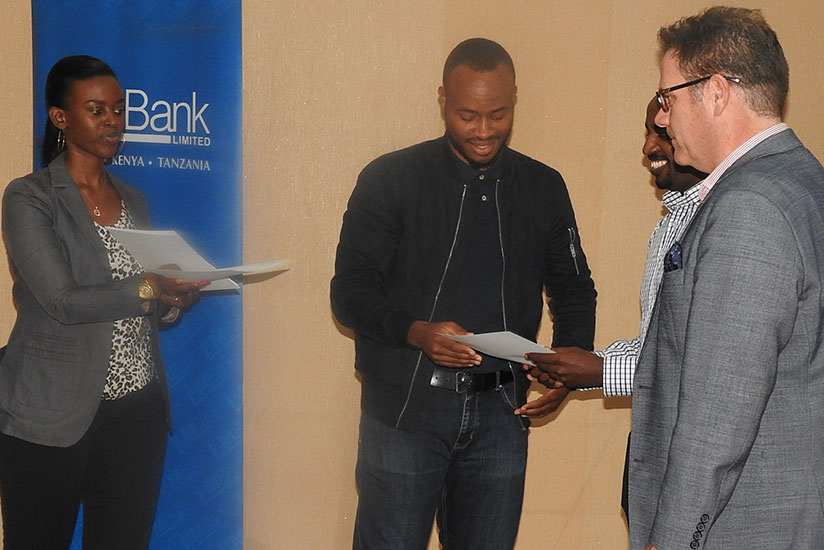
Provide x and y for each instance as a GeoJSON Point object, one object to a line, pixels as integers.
{"type": "Point", "coordinates": [131, 364]}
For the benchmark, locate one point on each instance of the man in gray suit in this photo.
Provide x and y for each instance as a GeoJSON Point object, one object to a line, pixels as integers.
{"type": "Point", "coordinates": [728, 398]}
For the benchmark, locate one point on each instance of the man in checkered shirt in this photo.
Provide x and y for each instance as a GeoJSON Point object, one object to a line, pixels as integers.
{"type": "Point", "coordinates": [613, 367]}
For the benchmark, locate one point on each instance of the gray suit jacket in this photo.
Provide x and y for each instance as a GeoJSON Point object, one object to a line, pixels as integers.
{"type": "Point", "coordinates": [727, 444]}
{"type": "Point", "coordinates": [54, 369]}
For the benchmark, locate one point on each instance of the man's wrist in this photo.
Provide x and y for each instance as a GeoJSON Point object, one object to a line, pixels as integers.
{"type": "Point", "coordinates": [414, 333]}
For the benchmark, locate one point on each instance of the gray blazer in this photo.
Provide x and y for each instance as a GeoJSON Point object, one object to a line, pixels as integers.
{"type": "Point", "coordinates": [727, 444]}
{"type": "Point", "coordinates": [54, 369]}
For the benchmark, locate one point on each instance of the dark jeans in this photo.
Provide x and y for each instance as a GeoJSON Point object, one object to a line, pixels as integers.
{"type": "Point", "coordinates": [114, 470]}
{"type": "Point", "coordinates": [466, 462]}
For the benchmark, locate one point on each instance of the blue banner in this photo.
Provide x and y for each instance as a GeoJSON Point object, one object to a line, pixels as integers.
{"type": "Point", "coordinates": [179, 64]}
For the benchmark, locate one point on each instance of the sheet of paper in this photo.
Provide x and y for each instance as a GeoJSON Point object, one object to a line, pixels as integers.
{"type": "Point", "coordinates": [504, 345]}
{"type": "Point", "coordinates": [215, 274]}
{"type": "Point", "coordinates": [158, 248]}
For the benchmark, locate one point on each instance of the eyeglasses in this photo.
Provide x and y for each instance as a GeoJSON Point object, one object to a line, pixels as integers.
{"type": "Point", "coordinates": [663, 94]}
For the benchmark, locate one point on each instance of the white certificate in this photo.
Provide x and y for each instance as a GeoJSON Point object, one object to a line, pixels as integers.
{"type": "Point", "coordinates": [153, 249]}
{"type": "Point", "coordinates": [504, 345]}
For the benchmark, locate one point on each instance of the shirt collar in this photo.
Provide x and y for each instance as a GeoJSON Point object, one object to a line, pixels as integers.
{"type": "Point", "coordinates": [674, 200]}
{"type": "Point", "coordinates": [740, 151]}
{"type": "Point", "coordinates": [468, 173]}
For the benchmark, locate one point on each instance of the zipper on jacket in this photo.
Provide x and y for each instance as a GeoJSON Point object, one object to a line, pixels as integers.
{"type": "Point", "coordinates": [435, 302]}
{"type": "Point", "coordinates": [503, 255]}
{"type": "Point", "coordinates": [509, 398]}
{"type": "Point", "coordinates": [572, 251]}
{"type": "Point", "coordinates": [449, 257]}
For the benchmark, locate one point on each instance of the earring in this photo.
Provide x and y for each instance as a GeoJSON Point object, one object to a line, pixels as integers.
{"type": "Point", "coordinates": [61, 140]}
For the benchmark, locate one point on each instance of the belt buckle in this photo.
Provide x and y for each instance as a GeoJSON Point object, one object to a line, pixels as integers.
{"type": "Point", "coordinates": [464, 382]}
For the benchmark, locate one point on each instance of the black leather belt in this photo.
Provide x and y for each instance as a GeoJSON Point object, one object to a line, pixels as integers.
{"type": "Point", "coordinates": [468, 382]}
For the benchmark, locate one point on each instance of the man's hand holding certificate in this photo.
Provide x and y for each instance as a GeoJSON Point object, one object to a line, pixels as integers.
{"type": "Point", "coordinates": [508, 345]}
{"type": "Point", "coordinates": [504, 345]}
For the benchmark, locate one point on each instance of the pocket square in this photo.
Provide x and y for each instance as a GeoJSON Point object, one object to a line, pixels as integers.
{"type": "Point", "coordinates": [672, 259]}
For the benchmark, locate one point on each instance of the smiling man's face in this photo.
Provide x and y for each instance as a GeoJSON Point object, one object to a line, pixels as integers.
{"type": "Point", "coordinates": [478, 107]}
{"type": "Point", "coordinates": [659, 151]}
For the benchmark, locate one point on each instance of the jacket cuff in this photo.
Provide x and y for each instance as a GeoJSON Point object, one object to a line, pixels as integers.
{"type": "Point", "coordinates": [398, 328]}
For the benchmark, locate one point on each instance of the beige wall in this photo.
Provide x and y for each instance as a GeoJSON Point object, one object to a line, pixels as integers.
{"type": "Point", "coordinates": [329, 85]}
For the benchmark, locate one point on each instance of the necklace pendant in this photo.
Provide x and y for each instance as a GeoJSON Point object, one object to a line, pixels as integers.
{"type": "Point", "coordinates": [96, 211]}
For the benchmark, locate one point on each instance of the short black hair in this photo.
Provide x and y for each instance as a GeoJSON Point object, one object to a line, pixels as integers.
{"type": "Point", "coordinates": [480, 54]}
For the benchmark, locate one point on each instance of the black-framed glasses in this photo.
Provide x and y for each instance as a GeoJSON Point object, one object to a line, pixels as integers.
{"type": "Point", "coordinates": [663, 94]}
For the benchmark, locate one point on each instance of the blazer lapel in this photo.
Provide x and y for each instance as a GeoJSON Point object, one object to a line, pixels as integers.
{"type": "Point", "coordinates": [72, 201]}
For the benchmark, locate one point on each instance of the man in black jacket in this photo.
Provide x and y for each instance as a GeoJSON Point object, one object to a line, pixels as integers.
{"type": "Point", "coordinates": [453, 235]}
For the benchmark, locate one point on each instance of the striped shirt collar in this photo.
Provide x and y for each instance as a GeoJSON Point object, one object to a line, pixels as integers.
{"type": "Point", "coordinates": [743, 149]}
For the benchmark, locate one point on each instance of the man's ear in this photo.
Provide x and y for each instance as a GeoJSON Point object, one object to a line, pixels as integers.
{"type": "Point", "coordinates": [720, 90]}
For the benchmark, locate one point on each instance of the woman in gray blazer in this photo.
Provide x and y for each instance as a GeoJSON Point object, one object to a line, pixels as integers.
{"type": "Point", "coordinates": [84, 407]}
